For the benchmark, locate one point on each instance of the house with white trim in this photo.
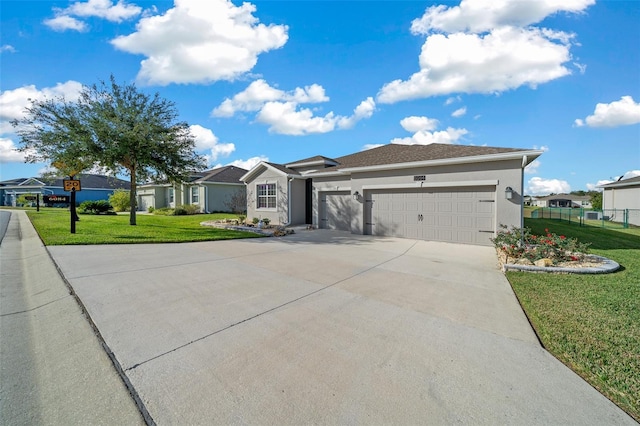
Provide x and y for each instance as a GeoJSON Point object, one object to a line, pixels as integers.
{"type": "Point", "coordinates": [211, 190]}
{"type": "Point", "coordinates": [437, 192]}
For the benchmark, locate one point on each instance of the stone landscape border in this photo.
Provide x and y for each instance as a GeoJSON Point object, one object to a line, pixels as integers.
{"type": "Point", "coordinates": [606, 267]}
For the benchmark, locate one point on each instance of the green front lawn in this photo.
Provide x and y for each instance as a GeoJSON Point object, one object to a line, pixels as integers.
{"type": "Point", "coordinates": [54, 226]}
{"type": "Point", "coordinates": [591, 322]}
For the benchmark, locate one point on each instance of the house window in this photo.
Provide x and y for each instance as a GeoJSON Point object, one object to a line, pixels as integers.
{"type": "Point", "coordinates": [170, 195]}
{"type": "Point", "coordinates": [195, 195]}
{"type": "Point", "coordinates": [267, 196]}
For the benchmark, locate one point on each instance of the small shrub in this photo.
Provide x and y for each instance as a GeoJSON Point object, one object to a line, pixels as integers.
{"type": "Point", "coordinates": [150, 209]}
{"type": "Point", "coordinates": [266, 221]}
{"type": "Point", "coordinates": [187, 209]}
{"type": "Point", "coordinates": [95, 207]}
{"type": "Point", "coordinates": [164, 211]}
{"type": "Point", "coordinates": [120, 200]}
{"type": "Point", "coordinates": [241, 218]}
{"type": "Point", "coordinates": [255, 220]}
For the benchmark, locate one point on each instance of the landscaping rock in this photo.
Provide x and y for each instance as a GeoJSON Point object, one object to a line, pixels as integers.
{"type": "Point", "coordinates": [543, 262]}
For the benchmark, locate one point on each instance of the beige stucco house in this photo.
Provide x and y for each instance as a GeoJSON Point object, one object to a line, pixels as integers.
{"type": "Point", "coordinates": [623, 195]}
{"type": "Point", "coordinates": [437, 192]}
{"type": "Point", "coordinates": [211, 190]}
{"type": "Point", "coordinates": [563, 200]}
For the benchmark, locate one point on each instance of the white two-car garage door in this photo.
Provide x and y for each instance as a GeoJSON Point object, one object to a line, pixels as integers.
{"type": "Point", "coordinates": [457, 215]}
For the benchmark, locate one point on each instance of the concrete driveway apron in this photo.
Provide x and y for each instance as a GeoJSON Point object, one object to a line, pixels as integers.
{"type": "Point", "coordinates": [325, 327]}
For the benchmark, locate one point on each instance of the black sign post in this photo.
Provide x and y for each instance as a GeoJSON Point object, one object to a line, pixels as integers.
{"type": "Point", "coordinates": [73, 210]}
{"type": "Point", "coordinates": [37, 202]}
{"type": "Point", "coordinates": [72, 186]}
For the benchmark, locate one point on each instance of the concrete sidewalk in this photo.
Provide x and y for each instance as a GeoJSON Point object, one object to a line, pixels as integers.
{"type": "Point", "coordinates": [325, 327]}
{"type": "Point", "coordinates": [53, 369]}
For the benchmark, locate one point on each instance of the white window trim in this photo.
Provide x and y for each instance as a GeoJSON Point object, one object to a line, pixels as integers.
{"type": "Point", "coordinates": [197, 192]}
{"type": "Point", "coordinates": [266, 209]}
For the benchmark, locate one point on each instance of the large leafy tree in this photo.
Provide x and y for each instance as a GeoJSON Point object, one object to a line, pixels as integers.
{"type": "Point", "coordinates": [117, 127]}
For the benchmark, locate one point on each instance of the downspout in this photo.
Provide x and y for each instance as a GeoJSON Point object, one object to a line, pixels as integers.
{"type": "Point", "coordinates": [246, 199]}
{"type": "Point", "coordinates": [524, 164]}
{"type": "Point", "coordinates": [288, 201]}
{"type": "Point", "coordinates": [206, 198]}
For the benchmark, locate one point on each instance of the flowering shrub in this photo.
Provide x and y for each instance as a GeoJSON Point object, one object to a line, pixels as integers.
{"type": "Point", "coordinates": [520, 243]}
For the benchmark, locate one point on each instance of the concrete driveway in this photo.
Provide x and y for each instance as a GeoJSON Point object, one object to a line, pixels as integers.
{"type": "Point", "coordinates": [325, 327]}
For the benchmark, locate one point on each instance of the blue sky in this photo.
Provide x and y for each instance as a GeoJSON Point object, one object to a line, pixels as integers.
{"type": "Point", "coordinates": [285, 80]}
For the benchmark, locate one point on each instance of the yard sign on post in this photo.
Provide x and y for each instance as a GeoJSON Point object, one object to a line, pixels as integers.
{"type": "Point", "coordinates": [71, 185]}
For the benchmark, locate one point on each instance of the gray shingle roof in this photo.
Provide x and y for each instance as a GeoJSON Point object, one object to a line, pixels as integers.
{"type": "Point", "coordinates": [622, 182]}
{"type": "Point", "coordinates": [396, 154]}
{"type": "Point", "coordinates": [226, 174]}
{"type": "Point", "coordinates": [284, 169]}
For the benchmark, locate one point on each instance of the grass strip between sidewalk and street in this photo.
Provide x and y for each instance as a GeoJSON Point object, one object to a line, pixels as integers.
{"type": "Point", "coordinates": [591, 322]}
{"type": "Point", "coordinates": [53, 226]}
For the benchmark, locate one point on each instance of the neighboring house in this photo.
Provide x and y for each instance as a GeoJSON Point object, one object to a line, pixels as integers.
{"type": "Point", "coordinates": [435, 192]}
{"type": "Point", "coordinates": [530, 200]}
{"type": "Point", "coordinates": [211, 190]}
{"type": "Point", "coordinates": [563, 200]}
{"type": "Point", "coordinates": [93, 187]}
{"type": "Point", "coordinates": [623, 195]}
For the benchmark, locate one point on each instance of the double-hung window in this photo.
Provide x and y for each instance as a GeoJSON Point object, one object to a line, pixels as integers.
{"type": "Point", "coordinates": [266, 196]}
{"type": "Point", "coordinates": [195, 195]}
{"type": "Point", "coordinates": [170, 194]}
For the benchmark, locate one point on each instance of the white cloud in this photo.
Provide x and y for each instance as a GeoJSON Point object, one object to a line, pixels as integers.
{"type": "Point", "coordinates": [284, 118]}
{"type": "Point", "coordinates": [542, 148]}
{"type": "Point", "coordinates": [7, 48]}
{"type": "Point", "coordinates": [484, 15]}
{"type": "Point", "coordinates": [260, 92]}
{"type": "Point", "coordinates": [423, 137]}
{"type": "Point", "coordinates": [104, 9]}
{"type": "Point", "coordinates": [13, 102]}
{"type": "Point", "coordinates": [371, 146]}
{"type": "Point", "coordinates": [364, 110]}
{"type": "Point", "coordinates": [9, 153]}
{"type": "Point", "coordinates": [416, 124]}
{"type": "Point", "coordinates": [247, 164]}
{"type": "Point", "coordinates": [65, 22]}
{"type": "Point", "coordinates": [200, 42]}
{"type": "Point", "coordinates": [452, 99]}
{"type": "Point", "coordinates": [504, 59]}
{"type": "Point", "coordinates": [630, 174]}
{"type": "Point", "coordinates": [424, 134]}
{"type": "Point", "coordinates": [459, 112]}
{"type": "Point", "coordinates": [540, 186]}
{"type": "Point", "coordinates": [12, 107]}
{"type": "Point", "coordinates": [281, 110]}
{"type": "Point", "coordinates": [206, 140]}
{"type": "Point", "coordinates": [532, 167]}
{"type": "Point", "coordinates": [66, 19]}
{"type": "Point", "coordinates": [486, 46]}
{"type": "Point", "coordinates": [617, 113]}
{"type": "Point", "coordinates": [594, 186]}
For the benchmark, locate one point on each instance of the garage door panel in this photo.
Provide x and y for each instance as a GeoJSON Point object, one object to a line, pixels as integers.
{"type": "Point", "coordinates": [444, 207]}
{"type": "Point", "coordinates": [464, 208]}
{"type": "Point", "coordinates": [484, 207]}
{"type": "Point", "coordinates": [465, 222]}
{"type": "Point", "coordinates": [460, 215]}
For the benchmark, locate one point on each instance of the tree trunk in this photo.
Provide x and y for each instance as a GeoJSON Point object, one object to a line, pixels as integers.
{"type": "Point", "coordinates": [132, 199]}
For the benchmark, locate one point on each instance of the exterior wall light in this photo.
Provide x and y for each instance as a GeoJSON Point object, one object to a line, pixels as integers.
{"type": "Point", "coordinates": [508, 193]}
{"type": "Point", "coordinates": [356, 195]}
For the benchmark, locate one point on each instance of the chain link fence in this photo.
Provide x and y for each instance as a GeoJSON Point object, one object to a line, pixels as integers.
{"type": "Point", "coordinates": [607, 218]}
